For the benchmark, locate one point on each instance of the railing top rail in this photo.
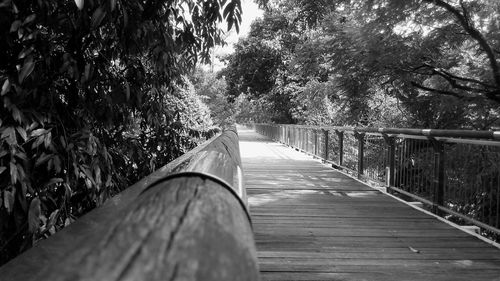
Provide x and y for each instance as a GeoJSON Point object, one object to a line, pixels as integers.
{"type": "Point", "coordinates": [475, 134]}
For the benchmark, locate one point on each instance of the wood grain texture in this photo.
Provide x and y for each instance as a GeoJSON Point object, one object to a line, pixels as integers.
{"type": "Point", "coordinates": [169, 233]}
{"type": "Point", "coordinates": [185, 228]}
{"type": "Point", "coordinates": [313, 223]}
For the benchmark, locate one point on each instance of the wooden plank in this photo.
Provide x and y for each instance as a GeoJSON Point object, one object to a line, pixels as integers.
{"type": "Point", "coordinates": [313, 223]}
{"type": "Point", "coordinates": [363, 264]}
{"type": "Point", "coordinates": [393, 254]}
{"type": "Point", "coordinates": [318, 244]}
{"type": "Point", "coordinates": [388, 274]}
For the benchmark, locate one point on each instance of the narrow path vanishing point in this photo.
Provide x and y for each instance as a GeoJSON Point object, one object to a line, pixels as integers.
{"type": "Point", "coordinates": [314, 223]}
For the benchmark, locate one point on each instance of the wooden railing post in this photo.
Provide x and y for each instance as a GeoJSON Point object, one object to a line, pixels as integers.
{"type": "Point", "coordinates": [325, 133]}
{"type": "Point", "coordinates": [438, 180]}
{"type": "Point", "coordinates": [340, 135]}
{"type": "Point", "coordinates": [361, 151]}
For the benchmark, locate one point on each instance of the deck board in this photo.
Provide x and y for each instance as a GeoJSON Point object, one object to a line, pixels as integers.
{"type": "Point", "coordinates": [314, 223]}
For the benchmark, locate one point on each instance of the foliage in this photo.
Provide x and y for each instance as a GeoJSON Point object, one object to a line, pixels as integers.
{"type": "Point", "coordinates": [93, 99]}
{"type": "Point", "coordinates": [212, 90]}
{"type": "Point", "coordinates": [252, 69]}
{"type": "Point", "coordinates": [437, 61]}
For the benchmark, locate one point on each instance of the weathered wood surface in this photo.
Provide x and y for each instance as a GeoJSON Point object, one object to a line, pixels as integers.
{"type": "Point", "coordinates": [314, 223]}
{"type": "Point", "coordinates": [184, 228]}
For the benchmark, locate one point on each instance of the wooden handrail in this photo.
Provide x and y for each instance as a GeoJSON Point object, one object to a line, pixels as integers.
{"type": "Point", "coordinates": [186, 221]}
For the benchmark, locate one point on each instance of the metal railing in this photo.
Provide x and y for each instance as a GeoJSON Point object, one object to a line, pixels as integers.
{"type": "Point", "coordinates": [456, 173]}
{"type": "Point", "coordinates": [187, 221]}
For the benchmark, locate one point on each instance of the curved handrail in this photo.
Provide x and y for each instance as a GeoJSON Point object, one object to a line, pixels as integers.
{"type": "Point", "coordinates": [188, 220]}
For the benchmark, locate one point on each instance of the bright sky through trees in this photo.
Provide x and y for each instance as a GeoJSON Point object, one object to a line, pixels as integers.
{"type": "Point", "coordinates": [250, 12]}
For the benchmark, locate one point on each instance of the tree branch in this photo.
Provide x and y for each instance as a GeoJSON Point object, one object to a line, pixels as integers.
{"type": "Point", "coordinates": [468, 79]}
{"type": "Point", "coordinates": [455, 83]}
{"type": "Point", "coordinates": [427, 89]}
{"type": "Point", "coordinates": [464, 20]}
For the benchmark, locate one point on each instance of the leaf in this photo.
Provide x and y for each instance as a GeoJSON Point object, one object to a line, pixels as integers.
{"type": "Point", "coordinates": [57, 164]}
{"type": "Point", "coordinates": [125, 17]}
{"type": "Point", "coordinates": [67, 221]}
{"type": "Point", "coordinates": [22, 133]}
{"type": "Point", "coordinates": [79, 4]}
{"type": "Point", "coordinates": [8, 200]}
{"type": "Point", "coordinates": [42, 159]}
{"type": "Point", "coordinates": [63, 141]}
{"type": "Point", "coordinates": [16, 114]}
{"type": "Point", "coordinates": [67, 191]}
{"type": "Point", "coordinates": [127, 91]}
{"type": "Point", "coordinates": [13, 173]}
{"type": "Point", "coordinates": [97, 171]}
{"type": "Point", "coordinates": [21, 155]}
{"type": "Point", "coordinates": [15, 26]}
{"type": "Point", "coordinates": [5, 87]}
{"type": "Point", "coordinates": [25, 52]}
{"type": "Point", "coordinates": [48, 140]}
{"type": "Point", "coordinates": [9, 134]}
{"type": "Point", "coordinates": [228, 9]}
{"type": "Point", "coordinates": [38, 132]}
{"type": "Point", "coordinates": [28, 67]}
{"type": "Point", "coordinates": [34, 215]}
{"type": "Point", "coordinates": [29, 19]}
{"type": "Point", "coordinates": [88, 175]}
{"type": "Point", "coordinates": [53, 218]}
{"type": "Point", "coordinates": [86, 73]}
{"type": "Point", "coordinates": [413, 250]}
{"type": "Point", "coordinates": [5, 3]}
{"type": "Point", "coordinates": [2, 169]}
{"type": "Point", "coordinates": [97, 17]}
{"type": "Point", "coordinates": [37, 142]}
{"type": "Point", "coordinates": [53, 181]}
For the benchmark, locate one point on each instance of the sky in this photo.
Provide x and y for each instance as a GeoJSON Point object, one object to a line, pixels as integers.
{"type": "Point", "coordinates": [250, 12]}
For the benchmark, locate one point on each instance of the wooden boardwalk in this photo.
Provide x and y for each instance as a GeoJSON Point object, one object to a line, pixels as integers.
{"type": "Point", "coordinates": [314, 223]}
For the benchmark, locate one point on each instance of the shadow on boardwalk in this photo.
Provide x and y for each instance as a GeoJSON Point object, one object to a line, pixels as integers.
{"type": "Point", "coordinates": [314, 223]}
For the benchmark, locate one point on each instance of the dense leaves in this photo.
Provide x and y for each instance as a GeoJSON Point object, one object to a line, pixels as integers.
{"type": "Point", "coordinates": [94, 97]}
{"type": "Point", "coordinates": [380, 62]}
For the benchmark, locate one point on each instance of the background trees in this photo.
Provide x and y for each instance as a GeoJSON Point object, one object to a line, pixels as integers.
{"type": "Point", "coordinates": [94, 96]}
{"type": "Point", "coordinates": [381, 62]}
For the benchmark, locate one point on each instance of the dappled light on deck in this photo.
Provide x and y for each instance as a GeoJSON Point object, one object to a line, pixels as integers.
{"type": "Point", "coordinates": [312, 222]}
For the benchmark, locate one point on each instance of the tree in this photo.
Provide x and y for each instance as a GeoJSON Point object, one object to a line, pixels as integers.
{"type": "Point", "coordinates": [252, 68]}
{"type": "Point", "coordinates": [212, 90]}
{"type": "Point", "coordinates": [421, 53]}
{"type": "Point", "coordinates": [93, 99]}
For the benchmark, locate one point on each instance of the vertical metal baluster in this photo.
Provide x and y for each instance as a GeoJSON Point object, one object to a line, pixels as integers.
{"type": "Point", "coordinates": [340, 135]}
{"type": "Point", "coordinates": [438, 174]}
{"type": "Point", "coordinates": [325, 133]}
{"type": "Point", "coordinates": [361, 150]}
{"type": "Point", "coordinates": [390, 163]}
